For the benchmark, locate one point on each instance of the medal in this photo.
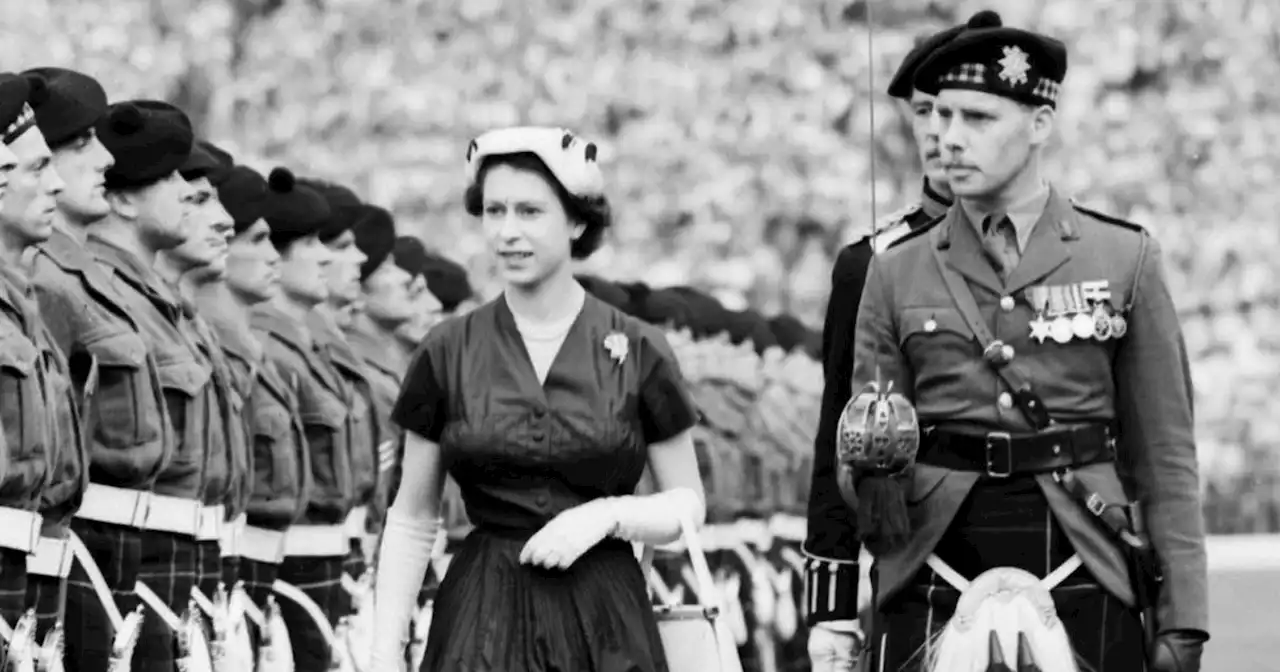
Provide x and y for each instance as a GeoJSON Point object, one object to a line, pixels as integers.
{"type": "Point", "coordinates": [1082, 322]}
{"type": "Point", "coordinates": [1119, 326]}
{"type": "Point", "coordinates": [1060, 328]}
{"type": "Point", "coordinates": [1101, 323]}
{"type": "Point", "coordinates": [1038, 297]}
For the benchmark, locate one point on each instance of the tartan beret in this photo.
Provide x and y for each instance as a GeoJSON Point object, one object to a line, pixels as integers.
{"type": "Point", "coordinates": [570, 159]}
{"type": "Point", "coordinates": [74, 104]}
{"type": "Point", "coordinates": [204, 161]}
{"type": "Point", "coordinates": [902, 83]}
{"type": "Point", "coordinates": [292, 209]}
{"type": "Point", "coordinates": [16, 115]}
{"type": "Point", "coordinates": [243, 192]}
{"type": "Point", "coordinates": [1009, 62]}
{"type": "Point", "coordinates": [149, 139]}
{"type": "Point", "coordinates": [375, 233]}
{"type": "Point", "coordinates": [344, 206]}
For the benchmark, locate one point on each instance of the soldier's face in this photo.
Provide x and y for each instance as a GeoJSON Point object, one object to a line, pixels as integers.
{"type": "Point", "coordinates": [31, 198]}
{"type": "Point", "coordinates": [160, 210]}
{"type": "Point", "coordinates": [344, 269]}
{"type": "Point", "coordinates": [304, 265]}
{"type": "Point", "coordinates": [387, 298]}
{"type": "Point", "coordinates": [987, 141]}
{"type": "Point", "coordinates": [253, 264]}
{"type": "Point", "coordinates": [427, 312]}
{"type": "Point", "coordinates": [8, 161]}
{"type": "Point", "coordinates": [82, 163]}
{"type": "Point", "coordinates": [528, 230]}
{"type": "Point", "coordinates": [925, 133]}
{"type": "Point", "coordinates": [209, 229]}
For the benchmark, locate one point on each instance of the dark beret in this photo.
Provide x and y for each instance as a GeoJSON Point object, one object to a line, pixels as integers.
{"type": "Point", "coordinates": [344, 206]}
{"type": "Point", "coordinates": [243, 192]}
{"type": "Point", "coordinates": [903, 80]}
{"type": "Point", "coordinates": [448, 281]}
{"type": "Point", "coordinates": [1010, 62]}
{"type": "Point", "coordinates": [149, 139]}
{"type": "Point", "coordinates": [203, 162]}
{"type": "Point", "coordinates": [665, 307]}
{"type": "Point", "coordinates": [410, 254]}
{"type": "Point", "coordinates": [375, 232]}
{"type": "Point", "coordinates": [707, 313]}
{"type": "Point", "coordinates": [749, 325]}
{"type": "Point", "coordinates": [791, 334]}
{"type": "Point", "coordinates": [292, 210]}
{"type": "Point", "coordinates": [16, 116]}
{"type": "Point", "coordinates": [604, 290]}
{"type": "Point", "coordinates": [74, 104]}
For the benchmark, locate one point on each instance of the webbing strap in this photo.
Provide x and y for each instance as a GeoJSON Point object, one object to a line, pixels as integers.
{"type": "Point", "coordinates": [1050, 581]}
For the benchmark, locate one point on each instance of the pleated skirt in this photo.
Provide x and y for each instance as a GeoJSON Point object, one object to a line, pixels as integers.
{"type": "Point", "coordinates": [493, 614]}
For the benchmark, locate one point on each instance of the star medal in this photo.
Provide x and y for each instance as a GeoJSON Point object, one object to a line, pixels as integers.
{"type": "Point", "coordinates": [1038, 297]}
{"type": "Point", "coordinates": [1060, 329]}
{"type": "Point", "coordinates": [1119, 325]}
{"type": "Point", "coordinates": [1082, 322]}
{"type": "Point", "coordinates": [1101, 322]}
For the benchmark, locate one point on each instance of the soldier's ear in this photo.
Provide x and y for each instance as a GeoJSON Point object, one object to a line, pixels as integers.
{"type": "Point", "coordinates": [1043, 120]}
{"type": "Point", "coordinates": [123, 203]}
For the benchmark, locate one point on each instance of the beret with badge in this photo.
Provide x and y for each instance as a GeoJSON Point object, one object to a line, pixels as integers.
{"type": "Point", "coordinates": [149, 139]}
{"type": "Point", "coordinates": [344, 206]}
{"type": "Point", "coordinates": [16, 115]}
{"type": "Point", "coordinates": [74, 104]}
{"type": "Point", "coordinates": [903, 82]}
{"type": "Point", "coordinates": [375, 233]}
{"type": "Point", "coordinates": [1009, 62]}
{"type": "Point", "coordinates": [569, 158]}
{"type": "Point", "coordinates": [292, 209]}
{"type": "Point", "coordinates": [243, 192]}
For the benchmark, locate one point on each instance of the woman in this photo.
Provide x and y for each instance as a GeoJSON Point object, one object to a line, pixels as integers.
{"type": "Point", "coordinates": [545, 405]}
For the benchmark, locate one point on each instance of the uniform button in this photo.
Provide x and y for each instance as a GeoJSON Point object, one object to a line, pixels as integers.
{"type": "Point", "coordinates": [1005, 400]}
{"type": "Point", "coordinates": [1006, 303]}
{"type": "Point", "coordinates": [541, 500]}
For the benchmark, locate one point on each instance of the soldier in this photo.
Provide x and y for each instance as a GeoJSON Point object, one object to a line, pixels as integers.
{"type": "Point", "coordinates": [37, 419]}
{"type": "Point", "coordinates": [439, 290]}
{"type": "Point", "coordinates": [281, 473]}
{"type": "Point", "coordinates": [112, 374]}
{"type": "Point", "coordinates": [1040, 346]}
{"type": "Point", "coordinates": [317, 545]}
{"type": "Point", "coordinates": [326, 323]}
{"type": "Point", "coordinates": [151, 141]}
{"type": "Point", "coordinates": [831, 547]}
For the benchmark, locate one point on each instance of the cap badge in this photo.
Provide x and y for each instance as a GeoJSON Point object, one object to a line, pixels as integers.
{"type": "Point", "coordinates": [1014, 66]}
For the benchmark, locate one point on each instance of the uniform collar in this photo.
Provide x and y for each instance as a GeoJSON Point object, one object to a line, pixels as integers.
{"type": "Point", "coordinates": [131, 267]}
{"type": "Point", "coordinates": [235, 337]}
{"type": "Point", "coordinates": [376, 350]}
{"type": "Point", "coordinates": [270, 319]}
{"type": "Point", "coordinates": [934, 204]}
{"type": "Point", "coordinates": [1024, 214]}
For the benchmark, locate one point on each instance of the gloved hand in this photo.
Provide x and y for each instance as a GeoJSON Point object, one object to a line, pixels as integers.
{"type": "Point", "coordinates": [563, 540]}
{"type": "Point", "coordinates": [835, 646]}
{"type": "Point", "coordinates": [1178, 651]}
{"type": "Point", "coordinates": [410, 542]}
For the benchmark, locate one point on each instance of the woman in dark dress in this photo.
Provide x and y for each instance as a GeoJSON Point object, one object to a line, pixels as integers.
{"type": "Point", "coordinates": [545, 405]}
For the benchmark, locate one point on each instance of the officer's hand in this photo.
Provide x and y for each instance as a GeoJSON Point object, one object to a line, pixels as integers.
{"type": "Point", "coordinates": [1177, 651]}
{"type": "Point", "coordinates": [834, 647]}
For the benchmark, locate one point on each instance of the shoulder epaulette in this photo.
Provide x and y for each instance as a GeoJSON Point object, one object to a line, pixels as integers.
{"type": "Point", "coordinates": [1110, 219]}
{"type": "Point", "coordinates": [898, 216]}
{"type": "Point", "coordinates": [917, 232]}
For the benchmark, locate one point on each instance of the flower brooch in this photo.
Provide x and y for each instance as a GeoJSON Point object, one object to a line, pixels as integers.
{"type": "Point", "coordinates": [616, 344]}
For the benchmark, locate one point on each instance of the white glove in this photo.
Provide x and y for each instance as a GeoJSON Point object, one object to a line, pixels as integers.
{"type": "Point", "coordinates": [834, 646]}
{"type": "Point", "coordinates": [655, 519]}
{"type": "Point", "coordinates": [652, 519]}
{"type": "Point", "coordinates": [409, 541]}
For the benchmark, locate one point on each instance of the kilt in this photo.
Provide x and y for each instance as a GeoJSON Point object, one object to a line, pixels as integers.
{"type": "Point", "coordinates": [320, 579]}
{"type": "Point", "coordinates": [13, 585]}
{"type": "Point", "coordinates": [169, 568]}
{"type": "Point", "coordinates": [117, 551]}
{"type": "Point", "coordinates": [208, 567]}
{"type": "Point", "coordinates": [46, 595]}
{"type": "Point", "coordinates": [258, 578]}
{"type": "Point", "coordinates": [1007, 523]}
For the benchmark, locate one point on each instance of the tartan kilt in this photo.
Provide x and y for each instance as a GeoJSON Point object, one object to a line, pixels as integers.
{"type": "Point", "coordinates": [117, 551]}
{"type": "Point", "coordinates": [13, 585]}
{"type": "Point", "coordinates": [321, 580]}
{"type": "Point", "coordinates": [46, 595]}
{"type": "Point", "coordinates": [1007, 523]}
{"type": "Point", "coordinates": [170, 569]}
{"type": "Point", "coordinates": [209, 567]}
{"type": "Point", "coordinates": [258, 578]}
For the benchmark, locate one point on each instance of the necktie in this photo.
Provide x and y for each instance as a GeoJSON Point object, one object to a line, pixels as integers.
{"type": "Point", "coordinates": [1001, 243]}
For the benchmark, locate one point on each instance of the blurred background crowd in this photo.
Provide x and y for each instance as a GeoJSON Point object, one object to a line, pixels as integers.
{"type": "Point", "coordinates": [736, 138]}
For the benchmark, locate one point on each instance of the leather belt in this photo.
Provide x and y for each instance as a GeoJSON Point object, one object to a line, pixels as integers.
{"type": "Point", "coordinates": [1002, 454]}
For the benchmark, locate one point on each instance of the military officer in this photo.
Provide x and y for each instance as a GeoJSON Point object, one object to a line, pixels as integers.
{"type": "Point", "coordinates": [281, 465]}
{"type": "Point", "coordinates": [113, 377]}
{"type": "Point", "coordinates": [831, 547]}
{"type": "Point", "coordinates": [1040, 346]}
{"type": "Point", "coordinates": [151, 141]}
{"type": "Point", "coordinates": [37, 420]}
{"type": "Point", "coordinates": [317, 545]}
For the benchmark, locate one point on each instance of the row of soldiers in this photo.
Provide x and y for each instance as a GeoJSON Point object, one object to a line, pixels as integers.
{"type": "Point", "coordinates": [197, 367]}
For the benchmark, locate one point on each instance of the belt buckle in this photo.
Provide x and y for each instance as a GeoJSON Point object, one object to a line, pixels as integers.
{"type": "Point", "coordinates": [996, 443]}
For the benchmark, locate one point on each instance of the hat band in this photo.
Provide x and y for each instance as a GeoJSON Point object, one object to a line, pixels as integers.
{"type": "Point", "coordinates": [26, 119]}
{"type": "Point", "coordinates": [974, 75]}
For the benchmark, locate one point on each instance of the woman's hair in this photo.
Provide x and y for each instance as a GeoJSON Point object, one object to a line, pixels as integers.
{"type": "Point", "coordinates": [592, 212]}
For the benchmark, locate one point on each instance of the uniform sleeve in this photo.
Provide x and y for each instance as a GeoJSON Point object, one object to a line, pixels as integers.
{"type": "Point", "coordinates": [422, 407]}
{"type": "Point", "coordinates": [1153, 402]}
{"type": "Point", "coordinates": [666, 407]}
{"type": "Point", "coordinates": [831, 543]}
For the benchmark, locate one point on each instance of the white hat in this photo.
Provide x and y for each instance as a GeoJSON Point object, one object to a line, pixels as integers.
{"type": "Point", "coordinates": [570, 159]}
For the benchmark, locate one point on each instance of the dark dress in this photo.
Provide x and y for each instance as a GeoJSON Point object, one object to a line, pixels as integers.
{"type": "Point", "coordinates": [522, 453]}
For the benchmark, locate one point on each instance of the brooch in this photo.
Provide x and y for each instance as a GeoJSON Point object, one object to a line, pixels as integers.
{"type": "Point", "coordinates": [616, 344]}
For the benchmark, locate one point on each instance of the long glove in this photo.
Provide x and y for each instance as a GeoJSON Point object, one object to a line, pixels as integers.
{"type": "Point", "coordinates": [1178, 651]}
{"type": "Point", "coordinates": [652, 519]}
{"type": "Point", "coordinates": [409, 542]}
{"type": "Point", "coordinates": [834, 646]}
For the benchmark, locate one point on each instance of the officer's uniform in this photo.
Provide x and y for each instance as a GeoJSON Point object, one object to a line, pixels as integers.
{"type": "Point", "coordinates": [1113, 368]}
{"type": "Point", "coordinates": [317, 545]}
{"type": "Point", "coordinates": [831, 546]}
{"type": "Point", "coordinates": [126, 421]}
{"type": "Point", "coordinates": [150, 141]}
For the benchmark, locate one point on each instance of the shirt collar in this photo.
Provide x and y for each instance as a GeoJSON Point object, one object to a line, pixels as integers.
{"type": "Point", "coordinates": [1024, 214]}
